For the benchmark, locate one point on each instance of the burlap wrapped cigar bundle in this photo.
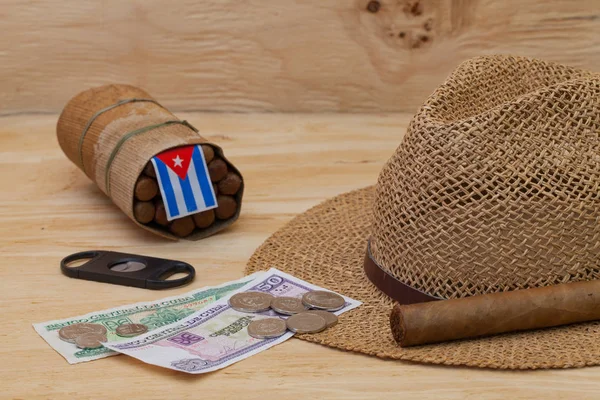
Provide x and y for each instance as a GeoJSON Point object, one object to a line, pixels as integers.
{"type": "Point", "coordinates": [112, 132]}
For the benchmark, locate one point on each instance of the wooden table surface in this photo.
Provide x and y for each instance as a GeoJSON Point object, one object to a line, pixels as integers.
{"type": "Point", "coordinates": [49, 209]}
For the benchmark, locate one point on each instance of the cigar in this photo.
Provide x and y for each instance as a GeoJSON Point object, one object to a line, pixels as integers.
{"type": "Point", "coordinates": [143, 211]}
{"type": "Point", "coordinates": [145, 189]}
{"type": "Point", "coordinates": [160, 215]}
{"type": "Point", "coordinates": [204, 219]}
{"type": "Point", "coordinates": [149, 170]}
{"type": "Point", "coordinates": [226, 207]}
{"type": "Point", "coordinates": [490, 314]}
{"type": "Point", "coordinates": [209, 153]}
{"type": "Point", "coordinates": [217, 169]}
{"type": "Point", "coordinates": [230, 184]}
{"type": "Point", "coordinates": [182, 226]}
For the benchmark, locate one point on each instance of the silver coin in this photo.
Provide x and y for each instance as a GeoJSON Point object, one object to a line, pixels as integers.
{"type": "Point", "coordinates": [90, 340]}
{"type": "Point", "coordinates": [251, 302]}
{"type": "Point", "coordinates": [287, 305]}
{"type": "Point", "coordinates": [267, 328]}
{"type": "Point", "coordinates": [306, 323]}
{"type": "Point", "coordinates": [71, 332]}
{"type": "Point", "coordinates": [131, 330]}
{"type": "Point", "coordinates": [323, 300]}
{"type": "Point", "coordinates": [330, 318]}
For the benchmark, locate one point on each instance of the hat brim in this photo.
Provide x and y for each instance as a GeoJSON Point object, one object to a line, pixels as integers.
{"type": "Point", "coordinates": [326, 246]}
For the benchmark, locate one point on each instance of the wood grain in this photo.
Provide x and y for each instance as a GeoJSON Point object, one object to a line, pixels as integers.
{"type": "Point", "coordinates": [285, 55]}
{"type": "Point", "coordinates": [49, 209]}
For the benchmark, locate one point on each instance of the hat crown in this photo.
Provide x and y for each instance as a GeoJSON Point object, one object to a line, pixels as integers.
{"type": "Point", "coordinates": [496, 185]}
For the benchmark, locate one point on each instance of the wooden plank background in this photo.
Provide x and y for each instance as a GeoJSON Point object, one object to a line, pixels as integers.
{"type": "Point", "coordinates": [284, 55]}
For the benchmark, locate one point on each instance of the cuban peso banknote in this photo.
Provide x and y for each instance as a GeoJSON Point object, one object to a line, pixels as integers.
{"type": "Point", "coordinates": [153, 314]}
{"type": "Point", "coordinates": [216, 336]}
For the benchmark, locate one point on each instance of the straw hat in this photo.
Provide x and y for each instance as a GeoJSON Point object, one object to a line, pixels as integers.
{"type": "Point", "coordinates": [495, 187]}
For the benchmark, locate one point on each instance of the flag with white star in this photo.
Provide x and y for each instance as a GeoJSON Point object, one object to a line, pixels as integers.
{"type": "Point", "coordinates": [184, 181]}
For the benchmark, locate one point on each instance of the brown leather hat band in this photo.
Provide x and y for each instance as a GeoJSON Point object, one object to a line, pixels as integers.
{"type": "Point", "coordinates": [391, 286]}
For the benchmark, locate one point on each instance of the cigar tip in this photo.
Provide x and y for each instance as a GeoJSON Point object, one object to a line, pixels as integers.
{"type": "Point", "coordinates": [182, 227]}
{"type": "Point", "coordinates": [209, 153]}
{"type": "Point", "coordinates": [204, 219]}
{"type": "Point", "coordinates": [149, 170]}
{"type": "Point", "coordinates": [217, 169]}
{"type": "Point", "coordinates": [396, 324]}
{"type": "Point", "coordinates": [230, 184]}
{"type": "Point", "coordinates": [143, 211]}
{"type": "Point", "coordinates": [226, 207]}
{"type": "Point", "coordinates": [146, 188]}
{"type": "Point", "coordinates": [160, 214]}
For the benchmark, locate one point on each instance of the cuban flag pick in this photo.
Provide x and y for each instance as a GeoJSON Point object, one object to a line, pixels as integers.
{"type": "Point", "coordinates": [184, 182]}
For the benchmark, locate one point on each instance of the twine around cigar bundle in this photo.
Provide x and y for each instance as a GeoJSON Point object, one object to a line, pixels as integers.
{"type": "Point", "coordinates": [495, 313]}
{"type": "Point", "coordinates": [111, 133]}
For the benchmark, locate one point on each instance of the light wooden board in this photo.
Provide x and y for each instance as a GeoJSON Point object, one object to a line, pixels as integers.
{"type": "Point", "coordinates": [284, 55]}
{"type": "Point", "coordinates": [48, 209]}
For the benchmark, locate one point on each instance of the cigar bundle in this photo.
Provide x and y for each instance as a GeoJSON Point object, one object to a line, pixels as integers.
{"type": "Point", "coordinates": [490, 314]}
{"type": "Point", "coordinates": [112, 132]}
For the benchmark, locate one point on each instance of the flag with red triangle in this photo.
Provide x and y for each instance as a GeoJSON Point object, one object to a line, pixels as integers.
{"type": "Point", "coordinates": [184, 181]}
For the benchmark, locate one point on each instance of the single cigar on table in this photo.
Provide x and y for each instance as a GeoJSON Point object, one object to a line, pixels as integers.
{"type": "Point", "coordinates": [182, 227]}
{"type": "Point", "coordinates": [490, 314]}
{"type": "Point", "coordinates": [143, 211]}
{"type": "Point", "coordinates": [230, 184]}
{"type": "Point", "coordinates": [145, 188]}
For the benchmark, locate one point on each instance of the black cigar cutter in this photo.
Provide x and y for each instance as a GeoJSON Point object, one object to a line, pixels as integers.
{"type": "Point", "coordinates": [127, 269]}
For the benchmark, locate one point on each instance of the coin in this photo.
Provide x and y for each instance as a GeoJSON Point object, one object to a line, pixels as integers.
{"type": "Point", "coordinates": [287, 305]}
{"type": "Point", "coordinates": [305, 322]}
{"type": "Point", "coordinates": [251, 301]}
{"type": "Point", "coordinates": [330, 318]}
{"type": "Point", "coordinates": [323, 300]}
{"type": "Point", "coordinates": [90, 340]}
{"type": "Point", "coordinates": [70, 332]}
{"type": "Point", "coordinates": [267, 328]}
{"type": "Point", "coordinates": [131, 330]}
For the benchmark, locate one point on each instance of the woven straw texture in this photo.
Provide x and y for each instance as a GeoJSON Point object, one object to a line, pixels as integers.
{"type": "Point", "coordinates": [495, 187]}
{"type": "Point", "coordinates": [104, 134]}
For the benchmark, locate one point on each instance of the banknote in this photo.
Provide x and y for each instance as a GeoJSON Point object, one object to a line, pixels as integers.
{"type": "Point", "coordinates": [216, 336]}
{"type": "Point", "coordinates": [153, 314]}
